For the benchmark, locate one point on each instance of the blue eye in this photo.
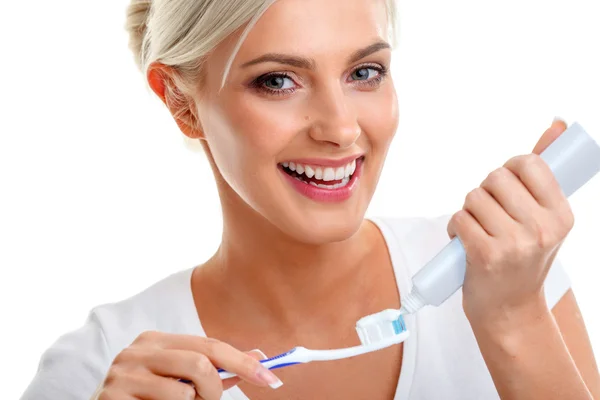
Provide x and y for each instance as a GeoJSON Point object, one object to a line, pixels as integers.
{"type": "Point", "coordinates": [364, 74]}
{"type": "Point", "coordinates": [278, 82]}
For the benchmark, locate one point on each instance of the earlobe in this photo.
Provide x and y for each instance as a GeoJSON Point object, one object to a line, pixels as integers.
{"type": "Point", "coordinates": [162, 85]}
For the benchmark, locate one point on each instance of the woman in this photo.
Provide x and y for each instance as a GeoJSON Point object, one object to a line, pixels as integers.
{"type": "Point", "coordinates": [295, 109]}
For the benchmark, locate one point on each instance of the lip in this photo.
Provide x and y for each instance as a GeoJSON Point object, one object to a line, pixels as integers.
{"type": "Point", "coordinates": [326, 162]}
{"type": "Point", "coordinates": [326, 195]}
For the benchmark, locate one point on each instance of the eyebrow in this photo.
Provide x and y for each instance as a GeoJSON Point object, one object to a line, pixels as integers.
{"type": "Point", "coordinates": [309, 63]}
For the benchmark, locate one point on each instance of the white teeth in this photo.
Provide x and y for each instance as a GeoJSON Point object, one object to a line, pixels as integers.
{"type": "Point", "coordinates": [328, 174]}
{"type": "Point", "coordinates": [318, 173]}
{"type": "Point", "coordinates": [323, 173]}
{"type": "Point", "coordinates": [343, 183]}
{"type": "Point", "coordinates": [309, 171]}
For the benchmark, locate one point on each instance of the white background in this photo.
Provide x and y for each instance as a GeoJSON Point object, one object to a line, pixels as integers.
{"type": "Point", "coordinates": [100, 197]}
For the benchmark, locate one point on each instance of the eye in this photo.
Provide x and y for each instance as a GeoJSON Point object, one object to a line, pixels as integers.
{"type": "Point", "coordinates": [274, 84]}
{"type": "Point", "coordinates": [364, 73]}
{"type": "Point", "coordinates": [278, 82]}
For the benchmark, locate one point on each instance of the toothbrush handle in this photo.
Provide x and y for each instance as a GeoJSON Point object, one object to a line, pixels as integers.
{"type": "Point", "coordinates": [574, 158]}
{"type": "Point", "coordinates": [279, 361]}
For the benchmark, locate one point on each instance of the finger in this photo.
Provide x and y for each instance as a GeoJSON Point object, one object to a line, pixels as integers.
{"type": "Point", "coordinates": [555, 130]}
{"type": "Point", "coordinates": [110, 393]}
{"type": "Point", "coordinates": [257, 354]}
{"type": "Point", "coordinates": [464, 226]}
{"type": "Point", "coordinates": [153, 387]}
{"type": "Point", "coordinates": [473, 237]}
{"type": "Point", "coordinates": [511, 194]}
{"type": "Point", "coordinates": [488, 212]}
{"type": "Point", "coordinates": [187, 365]}
{"type": "Point", "coordinates": [222, 355]}
{"type": "Point", "coordinates": [538, 179]}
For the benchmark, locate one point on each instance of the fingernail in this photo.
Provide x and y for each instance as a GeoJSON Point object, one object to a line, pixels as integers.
{"type": "Point", "coordinates": [268, 377]}
{"type": "Point", "coordinates": [558, 119]}
{"type": "Point", "coordinates": [264, 356]}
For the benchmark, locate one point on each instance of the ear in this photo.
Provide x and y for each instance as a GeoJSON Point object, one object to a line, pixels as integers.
{"type": "Point", "coordinates": [161, 80]}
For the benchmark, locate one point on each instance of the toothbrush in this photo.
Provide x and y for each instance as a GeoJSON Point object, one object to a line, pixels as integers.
{"type": "Point", "coordinates": [392, 333]}
{"type": "Point", "coordinates": [574, 158]}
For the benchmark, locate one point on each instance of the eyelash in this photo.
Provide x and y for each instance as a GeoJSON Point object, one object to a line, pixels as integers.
{"type": "Point", "coordinates": [259, 83]}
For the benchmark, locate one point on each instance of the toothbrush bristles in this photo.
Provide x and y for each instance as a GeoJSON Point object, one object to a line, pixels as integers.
{"type": "Point", "coordinates": [377, 327]}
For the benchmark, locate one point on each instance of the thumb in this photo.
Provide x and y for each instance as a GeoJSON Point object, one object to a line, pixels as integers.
{"type": "Point", "coordinates": [229, 383]}
{"type": "Point", "coordinates": [555, 130]}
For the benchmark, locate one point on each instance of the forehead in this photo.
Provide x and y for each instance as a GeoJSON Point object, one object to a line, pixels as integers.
{"type": "Point", "coordinates": [317, 26]}
{"type": "Point", "coordinates": [313, 28]}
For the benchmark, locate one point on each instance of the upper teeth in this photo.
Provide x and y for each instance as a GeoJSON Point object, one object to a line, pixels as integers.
{"type": "Point", "coordinates": [323, 173]}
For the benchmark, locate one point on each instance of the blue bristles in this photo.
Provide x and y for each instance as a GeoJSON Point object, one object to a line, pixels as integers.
{"type": "Point", "coordinates": [399, 325]}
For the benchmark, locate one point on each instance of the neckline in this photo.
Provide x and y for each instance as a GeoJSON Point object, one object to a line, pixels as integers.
{"type": "Point", "coordinates": [402, 276]}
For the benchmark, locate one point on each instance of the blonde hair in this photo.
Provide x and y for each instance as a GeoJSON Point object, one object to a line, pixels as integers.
{"type": "Point", "coordinates": [181, 33]}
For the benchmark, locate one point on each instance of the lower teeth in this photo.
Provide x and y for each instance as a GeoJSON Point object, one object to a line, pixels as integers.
{"type": "Point", "coordinates": [343, 183]}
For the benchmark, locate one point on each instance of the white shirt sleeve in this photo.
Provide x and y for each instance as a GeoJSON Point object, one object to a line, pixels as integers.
{"type": "Point", "coordinates": [73, 367]}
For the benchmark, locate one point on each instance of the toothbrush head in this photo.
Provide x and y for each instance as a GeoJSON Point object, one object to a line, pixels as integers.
{"type": "Point", "coordinates": [383, 325]}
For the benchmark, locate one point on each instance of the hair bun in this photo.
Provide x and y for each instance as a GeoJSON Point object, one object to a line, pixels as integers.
{"type": "Point", "coordinates": [136, 24]}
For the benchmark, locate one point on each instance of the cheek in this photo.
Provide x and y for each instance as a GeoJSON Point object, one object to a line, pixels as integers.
{"type": "Point", "coordinates": [379, 116]}
{"type": "Point", "coordinates": [248, 134]}
{"type": "Point", "coordinates": [266, 127]}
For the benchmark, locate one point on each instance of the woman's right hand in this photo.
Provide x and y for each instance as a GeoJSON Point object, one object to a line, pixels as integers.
{"type": "Point", "coordinates": [152, 366]}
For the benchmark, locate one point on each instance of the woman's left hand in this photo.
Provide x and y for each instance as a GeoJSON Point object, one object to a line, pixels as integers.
{"type": "Point", "coordinates": [511, 227]}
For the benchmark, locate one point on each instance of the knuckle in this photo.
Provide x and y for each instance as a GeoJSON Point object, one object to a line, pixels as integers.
{"type": "Point", "coordinates": [125, 356]}
{"type": "Point", "coordinates": [188, 393]}
{"type": "Point", "coordinates": [497, 176]}
{"type": "Point", "coordinates": [458, 217]}
{"type": "Point", "coordinates": [212, 347]}
{"type": "Point", "coordinates": [454, 223]}
{"type": "Point", "coordinates": [249, 365]}
{"type": "Point", "coordinates": [472, 196]}
{"type": "Point", "coordinates": [203, 367]}
{"type": "Point", "coordinates": [109, 394]}
{"type": "Point", "coordinates": [115, 377]}
{"type": "Point", "coordinates": [532, 160]}
{"type": "Point", "coordinates": [566, 218]}
{"type": "Point", "coordinates": [543, 237]}
{"type": "Point", "coordinates": [491, 256]}
{"type": "Point", "coordinates": [525, 248]}
{"type": "Point", "coordinates": [147, 337]}
{"type": "Point", "coordinates": [514, 161]}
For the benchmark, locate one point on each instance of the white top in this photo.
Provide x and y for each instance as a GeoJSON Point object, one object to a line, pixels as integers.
{"type": "Point", "coordinates": [441, 357]}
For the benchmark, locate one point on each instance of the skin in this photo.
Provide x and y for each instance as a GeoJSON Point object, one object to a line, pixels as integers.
{"type": "Point", "coordinates": [289, 269]}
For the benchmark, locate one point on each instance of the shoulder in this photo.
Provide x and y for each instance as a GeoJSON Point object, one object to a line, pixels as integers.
{"type": "Point", "coordinates": [418, 238]}
{"type": "Point", "coordinates": [165, 306]}
{"type": "Point", "coordinates": [75, 364]}
{"type": "Point", "coordinates": [416, 228]}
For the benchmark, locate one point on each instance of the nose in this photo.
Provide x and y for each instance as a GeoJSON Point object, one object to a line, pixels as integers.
{"type": "Point", "coordinates": [337, 123]}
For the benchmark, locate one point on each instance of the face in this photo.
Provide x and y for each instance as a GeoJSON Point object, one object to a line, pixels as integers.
{"type": "Point", "coordinates": [301, 129]}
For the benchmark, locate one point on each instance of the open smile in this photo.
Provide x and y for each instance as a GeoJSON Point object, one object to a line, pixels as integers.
{"type": "Point", "coordinates": [318, 181]}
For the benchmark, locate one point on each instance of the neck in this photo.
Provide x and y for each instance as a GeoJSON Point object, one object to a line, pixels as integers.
{"type": "Point", "coordinates": [270, 274]}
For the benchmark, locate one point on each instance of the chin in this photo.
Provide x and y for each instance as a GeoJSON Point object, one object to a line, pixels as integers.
{"type": "Point", "coordinates": [323, 227]}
